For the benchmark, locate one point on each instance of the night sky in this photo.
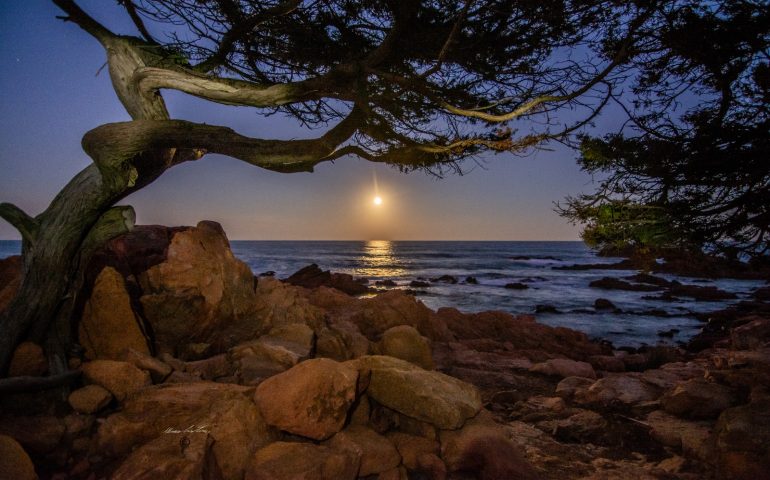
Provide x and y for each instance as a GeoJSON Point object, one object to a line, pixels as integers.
{"type": "Point", "coordinates": [51, 96]}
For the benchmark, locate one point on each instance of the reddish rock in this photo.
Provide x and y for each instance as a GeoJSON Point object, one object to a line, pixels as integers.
{"type": "Point", "coordinates": [120, 378]}
{"type": "Point", "coordinates": [607, 363]}
{"type": "Point", "coordinates": [212, 368]}
{"type": "Point", "coordinates": [14, 462]}
{"type": "Point", "coordinates": [378, 454]}
{"type": "Point", "coordinates": [200, 293]}
{"type": "Point", "coordinates": [571, 385]}
{"type": "Point", "coordinates": [311, 399]}
{"type": "Point", "coordinates": [37, 434]}
{"type": "Point", "coordinates": [698, 399]}
{"type": "Point", "coordinates": [693, 438]}
{"type": "Point", "coordinates": [427, 396]}
{"type": "Point", "coordinates": [108, 326]}
{"type": "Point", "coordinates": [564, 367]}
{"type": "Point", "coordinates": [304, 461]}
{"type": "Point", "coordinates": [342, 340]}
{"type": "Point", "coordinates": [182, 457]}
{"type": "Point", "coordinates": [743, 441]}
{"type": "Point", "coordinates": [28, 359]}
{"type": "Point", "coordinates": [278, 303]}
{"type": "Point", "coordinates": [224, 411]}
{"type": "Point", "coordinates": [406, 343]}
{"type": "Point", "coordinates": [626, 389]}
{"type": "Point", "coordinates": [89, 399]}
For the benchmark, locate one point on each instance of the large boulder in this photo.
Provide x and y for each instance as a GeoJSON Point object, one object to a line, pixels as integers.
{"type": "Point", "coordinates": [109, 326]}
{"type": "Point", "coordinates": [693, 438]}
{"type": "Point", "coordinates": [312, 276]}
{"type": "Point", "coordinates": [187, 457]}
{"type": "Point", "coordinates": [120, 378]}
{"type": "Point", "coordinates": [310, 399]}
{"type": "Point", "coordinates": [224, 411]}
{"type": "Point", "coordinates": [429, 396]}
{"type": "Point", "coordinates": [743, 441]}
{"type": "Point", "coordinates": [378, 454]}
{"type": "Point", "coordinates": [302, 461]}
{"type": "Point", "coordinates": [282, 348]}
{"type": "Point", "coordinates": [14, 462]}
{"type": "Point", "coordinates": [619, 389]}
{"type": "Point", "coordinates": [753, 334]}
{"type": "Point", "coordinates": [200, 293]}
{"type": "Point", "coordinates": [278, 303]}
{"type": "Point", "coordinates": [406, 343]}
{"type": "Point", "coordinates": [89, 399]}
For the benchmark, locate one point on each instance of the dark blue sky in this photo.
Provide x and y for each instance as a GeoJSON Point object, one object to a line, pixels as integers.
{"type": "Point", "coordinates": [51, 96]}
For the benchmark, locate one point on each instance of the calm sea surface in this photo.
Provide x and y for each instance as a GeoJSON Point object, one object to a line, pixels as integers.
{"type": "Point", "coordinates": [493, 264]}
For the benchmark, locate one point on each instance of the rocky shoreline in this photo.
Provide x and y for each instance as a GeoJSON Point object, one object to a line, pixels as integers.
{"type": "Point", "coordinates": [189, 366]}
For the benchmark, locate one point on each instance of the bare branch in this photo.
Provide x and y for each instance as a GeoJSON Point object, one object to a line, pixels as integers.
{"type": "Point", "coordinates": [83, 20]}
{"type": "Point", "coordinates": [26, 225]}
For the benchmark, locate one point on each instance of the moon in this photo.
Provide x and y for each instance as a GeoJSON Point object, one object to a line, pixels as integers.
{"type": "Point", "coordinates": [377, 200]}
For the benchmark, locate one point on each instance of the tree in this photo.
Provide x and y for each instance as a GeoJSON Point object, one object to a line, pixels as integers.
{"type": "Point", "coordinates": [696, 155]}
{"type": "Point", "coordinates": [420, 85]}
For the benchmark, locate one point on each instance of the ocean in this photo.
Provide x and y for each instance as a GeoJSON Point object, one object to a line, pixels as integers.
{"type": "Point", "coordinates": [493, 265]}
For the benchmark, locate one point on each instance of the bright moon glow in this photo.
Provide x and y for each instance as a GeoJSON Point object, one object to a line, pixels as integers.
{"type": "Point", "coordinates": [377, 200]}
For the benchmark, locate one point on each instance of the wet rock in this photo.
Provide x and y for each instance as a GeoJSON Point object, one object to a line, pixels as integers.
{"type": "Point", "coordinates": [444, 279]}
{"type": "Point", "coordinates": [28, 359]}
{"type": "Point", "coordinates": [312, 276]}
{"type": "Point", "coordinates": [120, 378]}
{"type": "Point", "coordinates": [304, 461]}
{"type": "Point", "coordinates": [471, 281]}
{"type": "Point", "coordinates": [188, 457]}
{"type": "Point", "coordinates": [751, 335]}
{"type": "Point", "coordinates": [516, 286]}
{"type": "Point", "coordinates": [604, 304]}
{"type": "Point", "coordinates": [224, 411]}
{"type": "Point", "coordinates": [311, 399]}
{"type": "Point", "coordinates": [14, 462]}
{"type": "Point", "coordinates": [564, 367]}
{"type": "Point", "coordinates": [377, 453]}
{"type": "Point", "coordinates": [762, 294]}
{"type": "Point", "coordinates": [539, 308]}
{"type": "Point", "coordinates": [89, 399]}
{"type": "Point", "coordinates": [37, 434]}
{"type": "Point", "coordinates": [108, 326]}
{"type": "Point", "coordinates": [743, 441]}
{"type": "Point", "coordinates": [406, 343]}
{"type": "Point", "coordinates": [428, 396]}
{"type": "Point", "coordinates": [609, 283]}
{"type": "Point", "coordinates": [385, 283]}
{"type": "Point", "coordinates": [200, 293]}
{"type": "Point", "coordinates": [419, 284]}
{"type": "Point", "coordinates": [158, 370]}
{"type": "Point", "coordinates": [668, 333]}
{"type": "Point", "coordinates": [698, 399]}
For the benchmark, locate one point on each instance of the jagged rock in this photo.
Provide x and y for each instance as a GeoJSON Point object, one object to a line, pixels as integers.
{"type": "Point", "coordinates": [108, 326]}
{"type": "Point", "coordinates": [428, 396]}
{"type": "Point", "coordinates": [406, 343]}
{"type": "Point", "coordinates": [120, 378]}
{"type": "Point", "coordinates": [278, 303]}
{"type": "Point", "coordinates": [341, 341]}
{"type": "Point", "coordinates": [14, 462]}
{"type": "Point", "coordinates": [201, 293]}
{"type": "Point", "coordinates": [607, 363]}
{"type": "Point", "coordinates": [516, 286]}
{"type": "Point", "coordinates": [585, 425]}
{"type": "Point", "coordinates": [157, 369]}
{"type": "Point", "coordinates": [484, 448]}
{"type": "Point", "coordinates": [385, 283]}
{"type": "Point", "coordinates": [28, 359]}
{"type": "Point", "coordinates": [225, 411]}
{"type": "Point", "coordinates": [89, 399]}
{"type": "Point", "coordinates": [37, 434]}
{"type": "Point", "coordinates": [281, 349]}
{"type": "Point", "coordinates": [743, 441]}
{"type": "Point", "coordinates": [444, 279]}
{"type": "Point", "coordinates": [564, 367]}
{"type": "Point", "coordinates": [312, 276]}
{"type": "Point", "coordinates": [212, 368]}
{"type": "Point", "coordinates": [377, 453]}
{"type": "Point", "coordinates": [411, 447]}
{"type": "Point", "coordinates": [471, 280]}
{"type": "Point", "coordinates": [304, 461]}
{"type": "Point", "coordinates": [310, 399]}
{"type": "Point", "coordinates": [698, 399]}
{"type": "Point", "coordinates": [691, 437]}
{"type": "Point", "coordinates": [752, 334]}
{"type": "Point", "coordinates": [182, 457]}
